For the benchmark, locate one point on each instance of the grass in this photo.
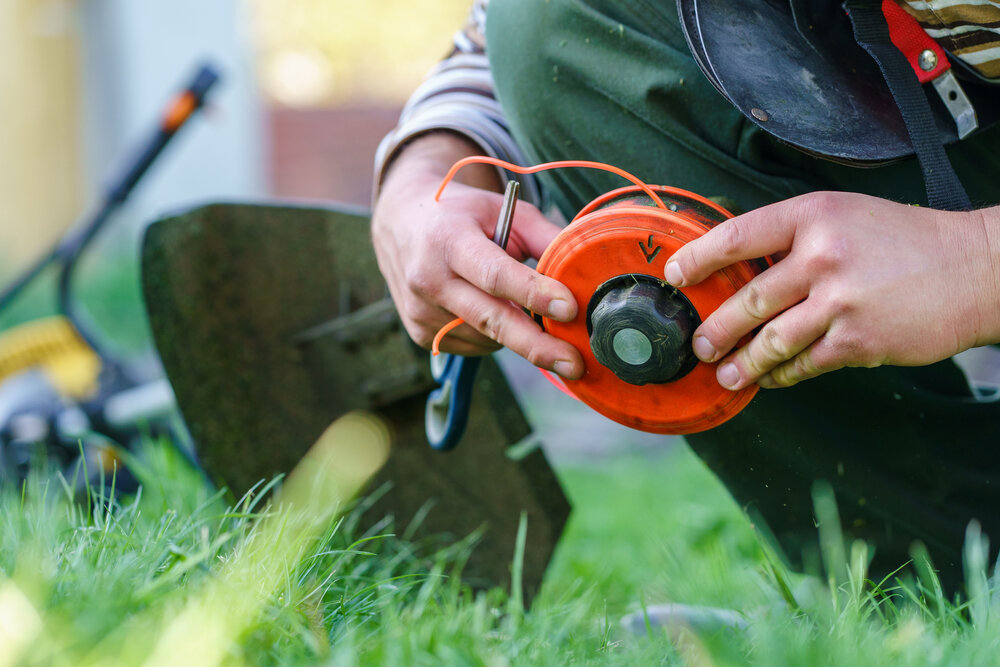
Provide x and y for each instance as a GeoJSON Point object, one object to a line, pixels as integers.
{"type": "Point", "coordinates": [177, 570]}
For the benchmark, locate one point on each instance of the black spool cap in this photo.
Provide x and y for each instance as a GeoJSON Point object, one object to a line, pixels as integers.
{"type": "Point", "coordinates": [641, 329]}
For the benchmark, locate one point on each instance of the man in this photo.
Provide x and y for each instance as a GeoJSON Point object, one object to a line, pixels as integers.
{"type": "Point", "coordinates": [862, 278]}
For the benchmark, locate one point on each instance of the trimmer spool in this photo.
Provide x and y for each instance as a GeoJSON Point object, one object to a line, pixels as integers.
{"type": "Point", "coordinates": [633, 329]}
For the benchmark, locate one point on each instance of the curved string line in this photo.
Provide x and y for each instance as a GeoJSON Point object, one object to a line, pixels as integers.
{"type": "Point", "coordinates": [436, 350]}
{"type": "Point", "coordinates": [561, 164]}
{"type": "Point", "coordinates": [561, 386]}
{"type": "Point", "coordinates": [439, 336]}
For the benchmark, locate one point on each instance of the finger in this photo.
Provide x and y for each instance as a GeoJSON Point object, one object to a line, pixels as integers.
{"type": "Point", "coordinates": [502, 321]}
{"type": "Point", "coordinates": [764, 231]}
{"type": "Point", "coordinates": [488, 267]}
{"type": "Point", "coordinates": [423, 319]}
{"type": "Point", "coordinates": [773, 291]}
{"type": "Point", "coordinates": [819, 358]}
{"type": "Point", "coordinates": [782, 339]}
{"type": "Point", "coordinates": [463, 339]}
{"type": "Point", "coordinates": [450, 344]}
{"type": "Point", "coordinates": [531, 232]}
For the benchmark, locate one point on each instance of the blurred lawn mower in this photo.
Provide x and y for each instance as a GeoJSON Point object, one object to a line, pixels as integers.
{"type": "Point", "coordinates": [65, 399]}
{"type": "Point", "coordinates": [271, 322]}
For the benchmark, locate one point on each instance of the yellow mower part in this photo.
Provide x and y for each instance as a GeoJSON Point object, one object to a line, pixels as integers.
{"type": "Point", "coordinates": [53, 345]}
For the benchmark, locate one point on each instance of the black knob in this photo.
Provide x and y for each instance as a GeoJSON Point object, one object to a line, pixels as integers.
{"type": "Point", "coordinates": [641, 329]}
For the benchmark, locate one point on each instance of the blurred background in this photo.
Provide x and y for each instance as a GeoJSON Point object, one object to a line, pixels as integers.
{"type": "Point", "coordinates": [309, 87]}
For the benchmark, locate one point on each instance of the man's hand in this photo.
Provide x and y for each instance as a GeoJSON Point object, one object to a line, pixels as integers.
{"type": "Point", "coordinates": [440, 262]}
{"type": "Point", "coordinates": [859, 281]}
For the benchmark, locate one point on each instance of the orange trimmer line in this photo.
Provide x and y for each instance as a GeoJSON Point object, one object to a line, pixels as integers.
{"type": "Point", "coordinates": [545, 166]}
{"type": "Point", "coordinates": [558, 384]}
{"type": "Point", "coordinates": [439, 336]}
{"type": "Point", "coordinates": [517, 169]}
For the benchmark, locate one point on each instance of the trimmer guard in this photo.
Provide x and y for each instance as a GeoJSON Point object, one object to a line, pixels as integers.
{"type": "Point", "coordinates": [274, 321]}
{"type": "Point", "coordinates": [806, 81]}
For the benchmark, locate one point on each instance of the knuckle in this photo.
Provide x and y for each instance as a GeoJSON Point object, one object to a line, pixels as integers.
{"type": "Point", "coordinates": [838, 251]}
{"type": "Point", "coordinates": [831, 253]}
{"type": "Point", "coordinates": [755, 301]}
{"type": "Point", "coordinates": [535, 355]}
{"type": "Point", "coordinates": [491, 277]}
{"type": "Point", "coordinates": [688, 262]}
{"type": "Point", "coordinates": [803, 366]}
{"type": "Point", "coordinates": [718, 332]}
{"type": "Point", "coordinates": [782, 376]}
{"type": "Point", "coordinates": [772, 344]}
{"type": "Point", "coordinates": [489, 323]}
{"type": "Point", "coordinates": [826, 251]}
{"type": "Point", "coordinates": [794, 371]}
{"type": "Point", "coordinates": [838, 304]}
{"type": "Point", "coordinates": [816, 207]}
{"type": "Point", "coordinates": [851, 349]}
{"type": "Point", "coordinates": [819, 203]}
{"type": "Point", "coordinates": [421, 279]}
{"type": "Point", "coordinates": [735, 237]}
{"type": "Point", "coordinates": [536, 298]}
{"type": "Point", "coordinates": [818, 260]}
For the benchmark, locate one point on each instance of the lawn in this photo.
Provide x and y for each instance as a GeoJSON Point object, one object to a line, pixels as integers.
{"type": "Point", "coordinates": [181, 574]}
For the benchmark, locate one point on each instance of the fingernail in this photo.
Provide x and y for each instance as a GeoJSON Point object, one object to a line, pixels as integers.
{"type": "Point", "coordinates": [563, 369]}
{"type": "Point", "coordinates": [673, 274]}
{"type": "Point", "coordinates": [703, 349]}
{"type": "Point", "coordinates": [767, 382]}
{"type": "Point", "coordinates": [728, 375]}
{"type": "Point", "coordinates": [560, 309]}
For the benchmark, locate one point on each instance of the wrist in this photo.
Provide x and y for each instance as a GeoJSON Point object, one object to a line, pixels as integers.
{"type": "Point", "coordinates": [990, 220]}
{"type": "Point", "coordinates": [979, 236]}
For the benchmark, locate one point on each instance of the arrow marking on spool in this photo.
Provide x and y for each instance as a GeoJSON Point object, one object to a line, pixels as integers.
{"type": "Point", "coordinates": [648, 251]}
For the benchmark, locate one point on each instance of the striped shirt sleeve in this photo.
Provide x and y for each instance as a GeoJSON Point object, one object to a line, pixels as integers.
{"type": "Point", "coordinates": [457, 95]}
{"type": "Point", "coordinates": [968, 29]}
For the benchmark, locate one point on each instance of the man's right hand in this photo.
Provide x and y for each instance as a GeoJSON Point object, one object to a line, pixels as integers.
{"type": "Point", "coordinates": [440, 262]}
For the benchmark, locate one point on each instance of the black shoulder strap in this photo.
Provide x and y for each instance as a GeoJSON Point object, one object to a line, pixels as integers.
{"type": "Point", "coordinates": [944, 190]}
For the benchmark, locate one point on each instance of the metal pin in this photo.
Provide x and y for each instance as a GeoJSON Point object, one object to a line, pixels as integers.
{"type": "Point", "coordinates": [506, 218]}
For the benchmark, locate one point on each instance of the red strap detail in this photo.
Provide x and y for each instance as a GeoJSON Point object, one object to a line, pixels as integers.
{"type": "Point", "coordinates": [911, 39]}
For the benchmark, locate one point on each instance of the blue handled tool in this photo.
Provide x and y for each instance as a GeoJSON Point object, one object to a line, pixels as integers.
{"type": "Point", "coordinates": [448, 406]}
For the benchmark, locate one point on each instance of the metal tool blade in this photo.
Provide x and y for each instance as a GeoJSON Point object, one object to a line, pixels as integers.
{"type": "Point", "coordinates": [273, 321]}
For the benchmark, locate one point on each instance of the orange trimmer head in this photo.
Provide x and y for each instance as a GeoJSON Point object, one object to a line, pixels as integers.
{"type": "Point", "coordinates": [633, 329]}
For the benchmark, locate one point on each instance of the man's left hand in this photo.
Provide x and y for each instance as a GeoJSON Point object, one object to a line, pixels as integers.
{"type": "Point", "coordinates": [857, 281]}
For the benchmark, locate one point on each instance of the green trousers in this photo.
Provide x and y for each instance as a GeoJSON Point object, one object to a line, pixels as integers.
{"type": "Point", "coordinates": [910, 453]}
